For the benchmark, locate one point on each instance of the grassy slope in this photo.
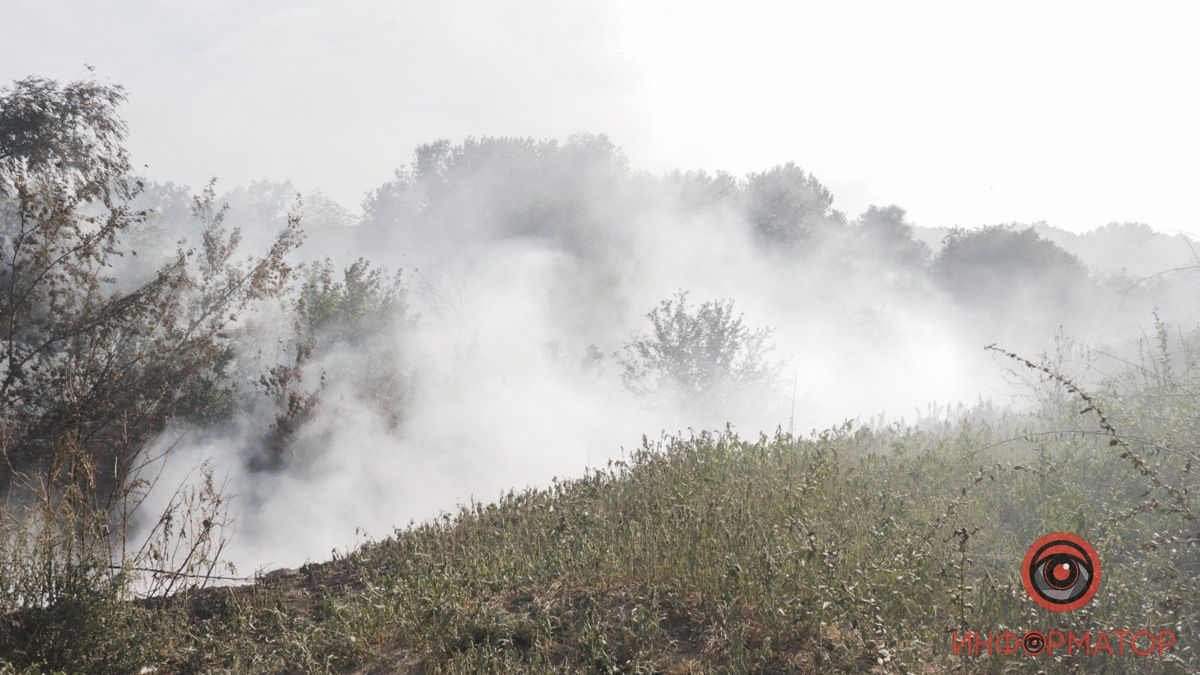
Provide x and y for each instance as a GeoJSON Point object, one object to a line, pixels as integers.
{"type": "Point", "coordinates": [853, 550]}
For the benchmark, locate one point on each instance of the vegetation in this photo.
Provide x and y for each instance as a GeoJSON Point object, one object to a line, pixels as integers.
{"type": "Point", "coordinates": [859, 548]}
{"type": "Point", "coordinates": [94, 372]}
{"type": "Point", "coordinates": [1008, 263]}
{"type": "Point", "coordinates": [863, 547]}
{"type": "Point", "coordinates": [706, 354]}
{"type": "Point", "coordinates": [787, 204]}
{"type": "Point", "coordinates": [355, 313]}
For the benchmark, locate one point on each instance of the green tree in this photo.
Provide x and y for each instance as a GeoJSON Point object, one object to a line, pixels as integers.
{"type": "Point", "coordinates": [66, 137]}
{"type": "Point", "coordinates": [706, 352]}
{"type": "Point", "coordinates": [1002, 264]}
{"type": "Point", "coordinates": [788, 204]}
{"type": "Point", "coordinates": [887, 236]}
{"type": "Point", "coordinates": [501, 187]}
{"type": "Point", "coordinates": [362, 309]}
{"type": "Point", "coordinates": [91, 372]}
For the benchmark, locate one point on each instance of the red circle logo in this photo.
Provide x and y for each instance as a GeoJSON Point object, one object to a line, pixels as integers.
{"type": "Point", "coordinates": [1061, 572]}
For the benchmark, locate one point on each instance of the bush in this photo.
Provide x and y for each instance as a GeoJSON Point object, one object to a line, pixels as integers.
{"type": "Point", "coordinates": [787, 204]}
{"type": "Point", "coordinates": [363, 313]}
{"type": "Point", "coordinates": [705, 354]}
{"type": "Point", "coordinates": [1003, 266]}
{"type": "Point", "coordinates": [93, 372]}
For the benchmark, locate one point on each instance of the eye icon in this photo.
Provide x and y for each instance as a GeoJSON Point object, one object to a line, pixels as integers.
{"type": "Point", "coordinates": [1061, 572]}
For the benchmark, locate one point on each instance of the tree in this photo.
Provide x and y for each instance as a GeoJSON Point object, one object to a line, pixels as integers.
{"type": "Point", "coordinates": [90, 372]}
{"type": "Point", "coordinates": [69, 137]}
{"type": "Point", "coordinates": [1001, 263]}
{"type": "Point", "coordinates": [498, 188]}
{"type": "Point", "coordinates": [698, 192]}
{"type": "Point", "coordinates": [362, 311]}
{"type": "Point", "coordinates": [888, 238]}
{"type": "Point", "coordinates": [705, 353]}
{"type": "Point", "coordinates": [787, 204]}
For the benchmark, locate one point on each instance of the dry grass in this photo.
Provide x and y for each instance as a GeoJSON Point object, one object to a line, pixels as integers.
{"type": "Point", "coordinates": [857, 549]}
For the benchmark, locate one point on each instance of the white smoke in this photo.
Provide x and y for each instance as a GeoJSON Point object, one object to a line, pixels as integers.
{"type": "Point", "coordinates": [502, 396]}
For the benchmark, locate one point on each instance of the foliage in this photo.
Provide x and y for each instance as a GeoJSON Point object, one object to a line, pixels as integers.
{"type": "Point", "coordinates": [787, 204]}
{"type": "Point", "coordinates": [69, 137]}
{"type": "Point", "coordinates": [706, 353]}
{"type": "Point", "coordinates": [698, 192]}
{"type": "Point", "coordinates": [361, 314]}
{"type": "Point", "coordinates": [854, 549]}
{"type": "Point", "coordinates": [1000, 264]}
{"type": "Point", "coordinates": [356, 310]}
{"type": "Point", "coordinates": [93, 372]}
{"type": "Point", "coordinates": [501, 187]}
{"type": "Point", "coordinates": [888, 237]}
{"type": "Point", "coordinates": [84, 363]}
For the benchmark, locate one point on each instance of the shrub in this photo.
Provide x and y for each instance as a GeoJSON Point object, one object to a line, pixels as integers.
{"type": "Point", "coordinates": [704, 353]}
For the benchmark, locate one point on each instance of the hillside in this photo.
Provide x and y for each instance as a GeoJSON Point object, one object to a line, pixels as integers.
{"type": "Point", "coordinates": [850, 550]}
{"type": "Point", "coordinates": [198, 383]}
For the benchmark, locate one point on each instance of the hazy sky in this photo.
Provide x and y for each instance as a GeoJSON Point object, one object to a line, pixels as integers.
{"type": "Point", "coordinates": [1077, 113]}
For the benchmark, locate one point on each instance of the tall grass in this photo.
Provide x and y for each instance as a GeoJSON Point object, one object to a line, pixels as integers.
{"type": "Point", "coordinates": [862, 547]}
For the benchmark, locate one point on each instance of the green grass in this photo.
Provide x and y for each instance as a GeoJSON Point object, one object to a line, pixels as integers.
{"type": "Point", "coordinates": [854, 549]}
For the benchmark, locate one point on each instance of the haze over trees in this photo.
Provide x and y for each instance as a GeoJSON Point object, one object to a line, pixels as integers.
{"type": "Point", "coordinates": [555, 302]}
{"type": "Point", "coordinates": [93, 372]}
